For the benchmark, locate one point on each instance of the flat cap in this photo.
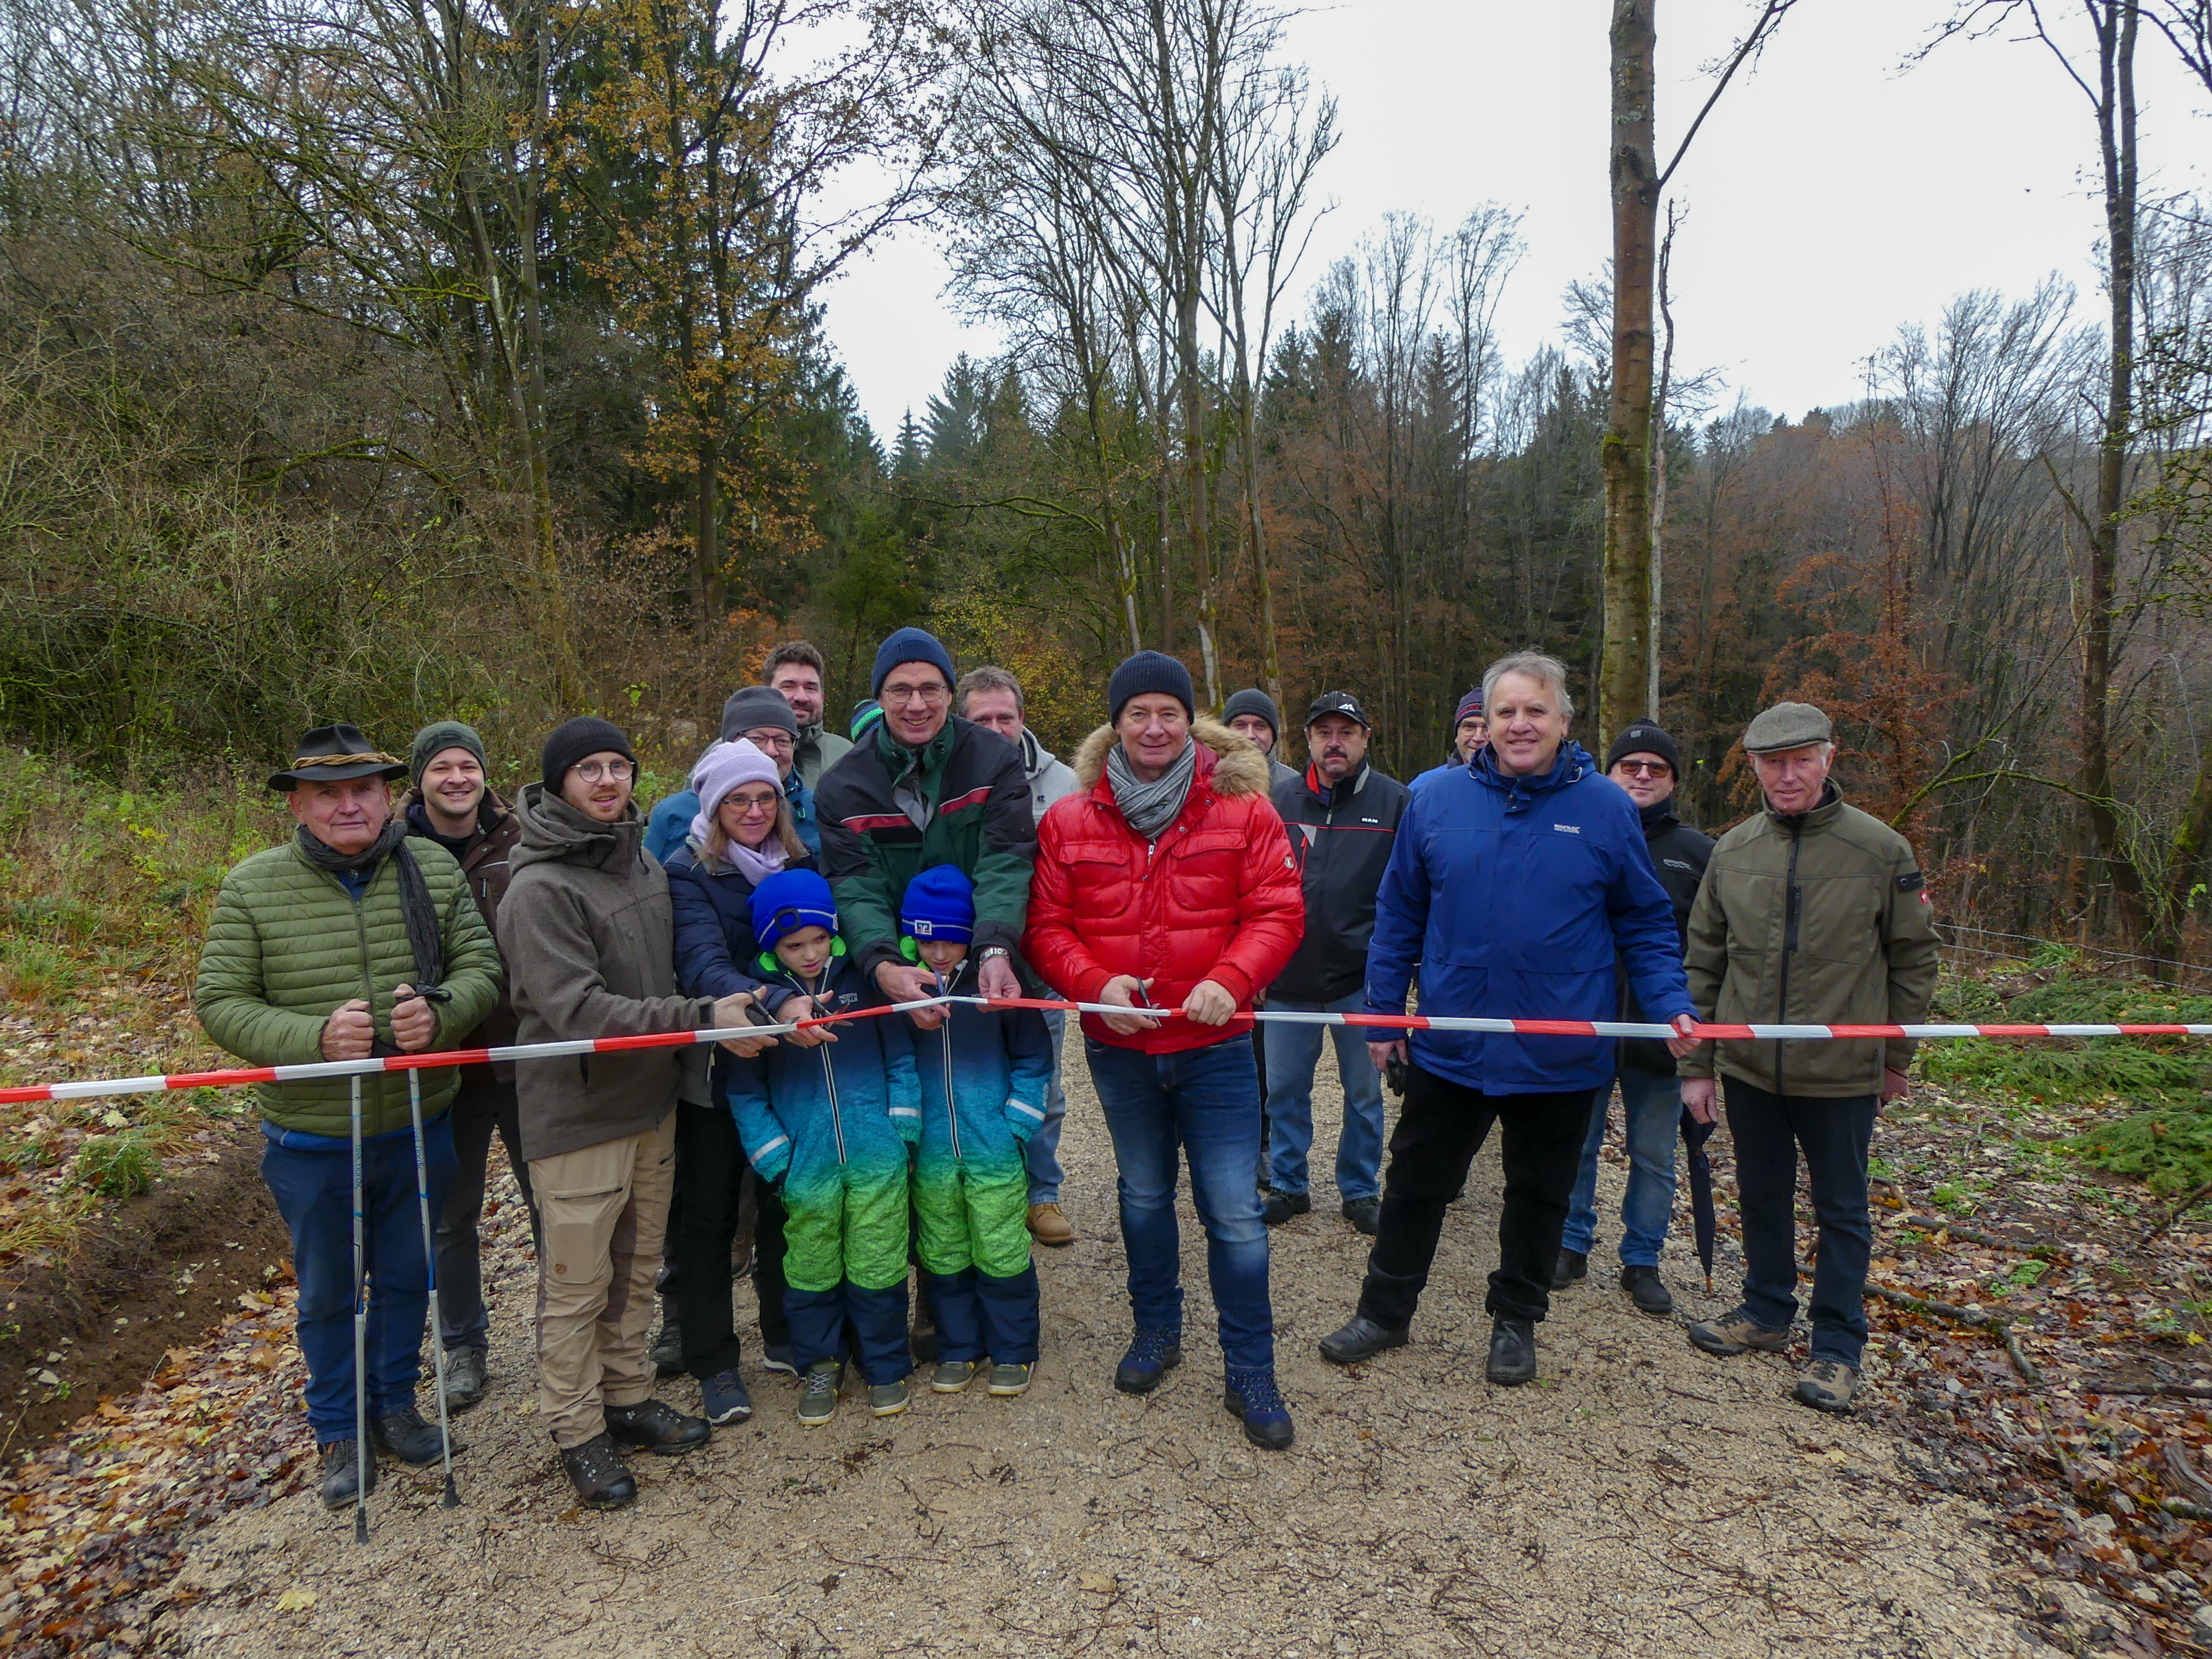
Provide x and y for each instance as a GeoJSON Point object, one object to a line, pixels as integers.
{"type": "Point", "coordinates": [1787, 726]}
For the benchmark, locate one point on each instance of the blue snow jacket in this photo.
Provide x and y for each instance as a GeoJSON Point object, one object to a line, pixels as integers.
{"type": "Point", "coordinates": [983, 1077]}
{"type": "Point", "coordinates": [844, 1109]}
{"type": "Point", "coordinates": [1513, 896]}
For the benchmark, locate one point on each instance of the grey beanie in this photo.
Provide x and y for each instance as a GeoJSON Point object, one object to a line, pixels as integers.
{"type": "Point", "coordinates": [754, 707]}
{"type": "Point", "coordinates": [1253, 701]}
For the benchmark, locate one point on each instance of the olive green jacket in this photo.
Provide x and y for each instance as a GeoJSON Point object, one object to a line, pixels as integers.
{"type": "Point", "coordinates": [1819, 920]}
{"type": "Point", "coordinates": [287, 946]}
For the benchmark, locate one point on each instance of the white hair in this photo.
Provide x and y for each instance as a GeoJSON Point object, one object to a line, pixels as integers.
{"type": "Point", "coordinates": [1547, 671]}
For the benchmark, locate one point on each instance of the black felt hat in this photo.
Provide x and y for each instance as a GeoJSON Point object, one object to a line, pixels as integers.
{"type": "Point", "coordinates": [332, 754]}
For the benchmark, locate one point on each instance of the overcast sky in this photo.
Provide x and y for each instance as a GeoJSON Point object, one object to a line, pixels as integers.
{"type": "Point", "coordinates": [1831, 196]}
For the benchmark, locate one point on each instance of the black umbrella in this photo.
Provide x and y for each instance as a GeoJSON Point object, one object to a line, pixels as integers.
{"type": "Point", "coordinates": [1695, 1135]}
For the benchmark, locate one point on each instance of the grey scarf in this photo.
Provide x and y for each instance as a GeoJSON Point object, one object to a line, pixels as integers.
{"type": "Point", "coordinates": [423, 940]}
{"type": "Point", "coordinates": [1151, 807]}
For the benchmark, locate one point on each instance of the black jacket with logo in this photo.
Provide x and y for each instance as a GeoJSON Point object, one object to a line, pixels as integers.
{"type": "Point", "coordinates": [1679, 854]}
{"type": "Point", "coordinates": [1341, 837]}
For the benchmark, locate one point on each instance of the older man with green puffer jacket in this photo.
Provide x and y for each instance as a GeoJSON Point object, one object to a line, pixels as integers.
{"type": "Point", "coordinates": [324, 949]}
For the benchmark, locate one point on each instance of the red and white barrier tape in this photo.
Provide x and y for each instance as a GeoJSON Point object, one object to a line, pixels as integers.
{"type": "Point", "coordinates": [241, 1077]}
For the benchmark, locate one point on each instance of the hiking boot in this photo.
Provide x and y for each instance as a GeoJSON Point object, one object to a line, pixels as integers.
{"type": "Point", "coordinates": [723, 1399]}
{"type": "Point", "coordinates": [1644, 1289]}
{"type": "Point", "coordinates": [1365, 1215]}
{"type": "Point", "coordinates": [953, 1375]}
{"type": "Point", "coordinates": [1512, 1352]}
{"type": "Point", "coordinates": [1252, 1396]}
{"type": "Point", "coordinates": [1154, 1351]}
{"type": "Point", "coordinates": [1009, 1380]}
{"type": "Point", "coordinates": [408, 1437]}
{"type": "Point", "coordinates": [341, 1474]}
{"type": "Point", "coordinates": [1736, 1331]}
{"type": "Point", "coordinates": [1048, 1225]}
{"type": "Point", "coordinates": [888, 1399]}
{"type": "Point", "coordinates": [602, 1479]}
{"type": "Point", "coordinates": [1827, 1385]}
{"type": "Point", "coordinates": [1363, 1339]}
{"type": "Point", "coordinates": [667, 1350]}
{"type": "Point", "coordinates": [1569, 1268]}
{"type": "Point", "coordinates": [466, 1378]}
{"type": "Point", "coordinates": [654, 1425]}
{"type": "Point", "coordinates": [777, 1357]}
{"type": "Point", "coordinates": [1276, 1207]}
{"type": "Point", "coordinates": [818, 1394]}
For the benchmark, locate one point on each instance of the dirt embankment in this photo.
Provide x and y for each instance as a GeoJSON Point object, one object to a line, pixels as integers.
{"type": "Point", "coordinates": [156, 1274]}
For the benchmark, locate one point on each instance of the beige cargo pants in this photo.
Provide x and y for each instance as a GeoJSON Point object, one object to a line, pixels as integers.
{"type": "Point", "coordinates": [604, 1212]}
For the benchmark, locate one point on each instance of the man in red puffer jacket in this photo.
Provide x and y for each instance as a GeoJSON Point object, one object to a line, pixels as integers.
{"type": "Point", "coordinates": [1165, 884]}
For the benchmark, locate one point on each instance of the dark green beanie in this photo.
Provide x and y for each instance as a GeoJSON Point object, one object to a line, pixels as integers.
{"type": "Point", "coordinates": [437, 737]}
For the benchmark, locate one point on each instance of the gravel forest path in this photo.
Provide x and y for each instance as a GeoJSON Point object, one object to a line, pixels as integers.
{"type": "Point", "coordinates": [1639, 1499]}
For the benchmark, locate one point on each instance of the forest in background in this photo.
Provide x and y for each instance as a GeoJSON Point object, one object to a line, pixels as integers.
{"type": "Point", "coordinates": [370, 359]}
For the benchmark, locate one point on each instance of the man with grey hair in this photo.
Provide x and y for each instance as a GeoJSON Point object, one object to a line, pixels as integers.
{"type": "Point", "coordinates": [991, 698]}
{"type": "Point", "coordinates": [1811, 914]}
{"type": "Point", "coordinates": [1513, 885]}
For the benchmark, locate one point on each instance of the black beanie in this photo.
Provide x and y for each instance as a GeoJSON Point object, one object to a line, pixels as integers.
{"type": "Point", "coordinates": [1253, 701]}
{"type": "Point", "coordinates": [588, 734]}
{"type": "Point", "coordinates": [1149, 671]}
{"type": "Point", "coordinates": [1643, 737]}
{"type": "Point", "coordinates": [753, 707]}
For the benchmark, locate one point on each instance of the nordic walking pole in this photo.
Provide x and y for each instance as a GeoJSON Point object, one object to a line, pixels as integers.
{"type": "Point", "coordinates": [451, 1500]}
{"type": "Point", "coordinates": [364, 1456]}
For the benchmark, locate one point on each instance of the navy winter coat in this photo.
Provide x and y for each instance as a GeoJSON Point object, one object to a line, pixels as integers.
{"type": "Point", "coordinates": [1513, 895]}
{"type": "Point", "coordinates": [716, 954]}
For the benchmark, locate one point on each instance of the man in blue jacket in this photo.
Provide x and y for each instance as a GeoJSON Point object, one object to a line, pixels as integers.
{"type": "Point", "coordinates": [1512, 884]}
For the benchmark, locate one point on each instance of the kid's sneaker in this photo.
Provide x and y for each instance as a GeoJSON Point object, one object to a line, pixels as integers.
{"type": "Point", "coordinates": [953, 1375]}
{"type": "Point", "coordinates": [1008, 1379]}
{"type": "Point", "coordinates": [818, 1393]}
{"type": "Point", "coordinates": [888, 1399]}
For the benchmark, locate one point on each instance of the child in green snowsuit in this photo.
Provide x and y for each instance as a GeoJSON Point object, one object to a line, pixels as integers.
{"type": "Point", "coordinates": [983, 1076]}
{"type": "Point", "coordinates": [831, 1126]}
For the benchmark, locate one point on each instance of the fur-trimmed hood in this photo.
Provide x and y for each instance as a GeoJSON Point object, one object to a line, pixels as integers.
{"type": "Point", "coordinates": [1239, 768]}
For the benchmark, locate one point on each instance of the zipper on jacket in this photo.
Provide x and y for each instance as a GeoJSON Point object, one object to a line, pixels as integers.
{"type": "Point", "coordinates": [945, 1031]}
{"type": "Point", "coordinates": [1790, 904]}
{"type": "Point", "coordinates": [828, 1072]}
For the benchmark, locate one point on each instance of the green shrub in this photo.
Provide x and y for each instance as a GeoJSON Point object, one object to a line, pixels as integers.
{"type": "Point", "coordinates": [2163, 1071]}
{"type": "Point", "coordinates": [2170, 1152]}
{"type": "Point", "coordinates": [117, 1166]}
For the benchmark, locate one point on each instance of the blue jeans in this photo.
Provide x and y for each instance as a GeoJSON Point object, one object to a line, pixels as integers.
{"type": "Point", "coordinates": [1204, 1101]}
{"type": "Point", "coordinates": [311, 1177]}
{"type": "Point", "coordinates": [1293, 1051]}
{"type": "Point", "coordinates": [1768, 1129]}
{"type": "Point", "coordinates": [1043, 1153]}
{"type": "Point", "coordinates": [1652, 1104]}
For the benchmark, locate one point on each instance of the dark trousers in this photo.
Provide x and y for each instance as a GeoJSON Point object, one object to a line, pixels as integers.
{"type": "Point", "coordinates": [483, 1104]}
{"type": "Point", "coordinates": [1768, 1129]}
{"type": "Point", "coordinates": [710, 1167]}
{"type": "Point", "coordinates": [311, 1177]}
{"type": "Point", "coordinates": [1440, 1129]}
{"type": "Point", "coordinates": [873, 1321]}
{"type": "Point", "coordinates": [979, 1314]}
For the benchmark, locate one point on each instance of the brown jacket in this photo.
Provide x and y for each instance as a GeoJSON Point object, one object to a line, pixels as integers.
{"type": "Point", "coordinates": [590, 952]}
{"type": "Point", "coordinates": [484, 861]}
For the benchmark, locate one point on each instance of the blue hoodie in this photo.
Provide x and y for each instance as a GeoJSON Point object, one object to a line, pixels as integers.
{"type": "Point", "coordinates": [1513, 896]}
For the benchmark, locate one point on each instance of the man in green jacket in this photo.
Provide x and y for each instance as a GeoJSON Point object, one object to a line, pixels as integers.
{"type": "Point", "coordinates": [351, 941]}
{"type": "Point", "coordinates": [1811, 914]}
{"type": "Point", "coordinates": [926, 787]}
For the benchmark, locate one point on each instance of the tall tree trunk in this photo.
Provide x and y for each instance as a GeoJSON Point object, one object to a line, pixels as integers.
{"type": "Point", "coordinates": [1659, 473]}
{"type": "Point", "coordinates": [1626, 453]}
{"type": "Point", "coordinates": [2116, 133]}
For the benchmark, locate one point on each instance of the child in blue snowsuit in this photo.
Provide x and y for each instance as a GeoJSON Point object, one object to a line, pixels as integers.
{"type": "Point", "coordinates": [832, 1126]}
{"type": "Point", "coordinates": [983, 1073]}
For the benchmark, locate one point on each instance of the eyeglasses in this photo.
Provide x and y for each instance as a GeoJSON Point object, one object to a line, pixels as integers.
{"type": "Point", "coordinates": [615, 771]}
{"type": "Point", "coordinates": [930, 694]}
{"type": "Point", "coordinates": [751, 805]}
{"type": "Point", "coordinates": [772, 738]}
{"type": "Point", "coordinates": [1644, 768]}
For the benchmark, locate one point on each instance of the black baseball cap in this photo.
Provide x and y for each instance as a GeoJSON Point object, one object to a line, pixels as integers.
{"type": "Point", "coordinates": [1338, 703]}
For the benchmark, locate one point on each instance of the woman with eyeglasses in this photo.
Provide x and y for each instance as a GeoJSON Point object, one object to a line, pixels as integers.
{"type": "Point", "coordinates": [741, 835]}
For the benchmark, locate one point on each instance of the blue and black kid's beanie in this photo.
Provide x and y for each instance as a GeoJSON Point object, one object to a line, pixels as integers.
{"type": "Point", "coordinates": [939, 903]}
{"type": "Point", "coordinates": [788, 901]}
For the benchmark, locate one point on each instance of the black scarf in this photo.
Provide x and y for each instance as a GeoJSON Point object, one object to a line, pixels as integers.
{"type": "Point", "coordinates": [423, 940]}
